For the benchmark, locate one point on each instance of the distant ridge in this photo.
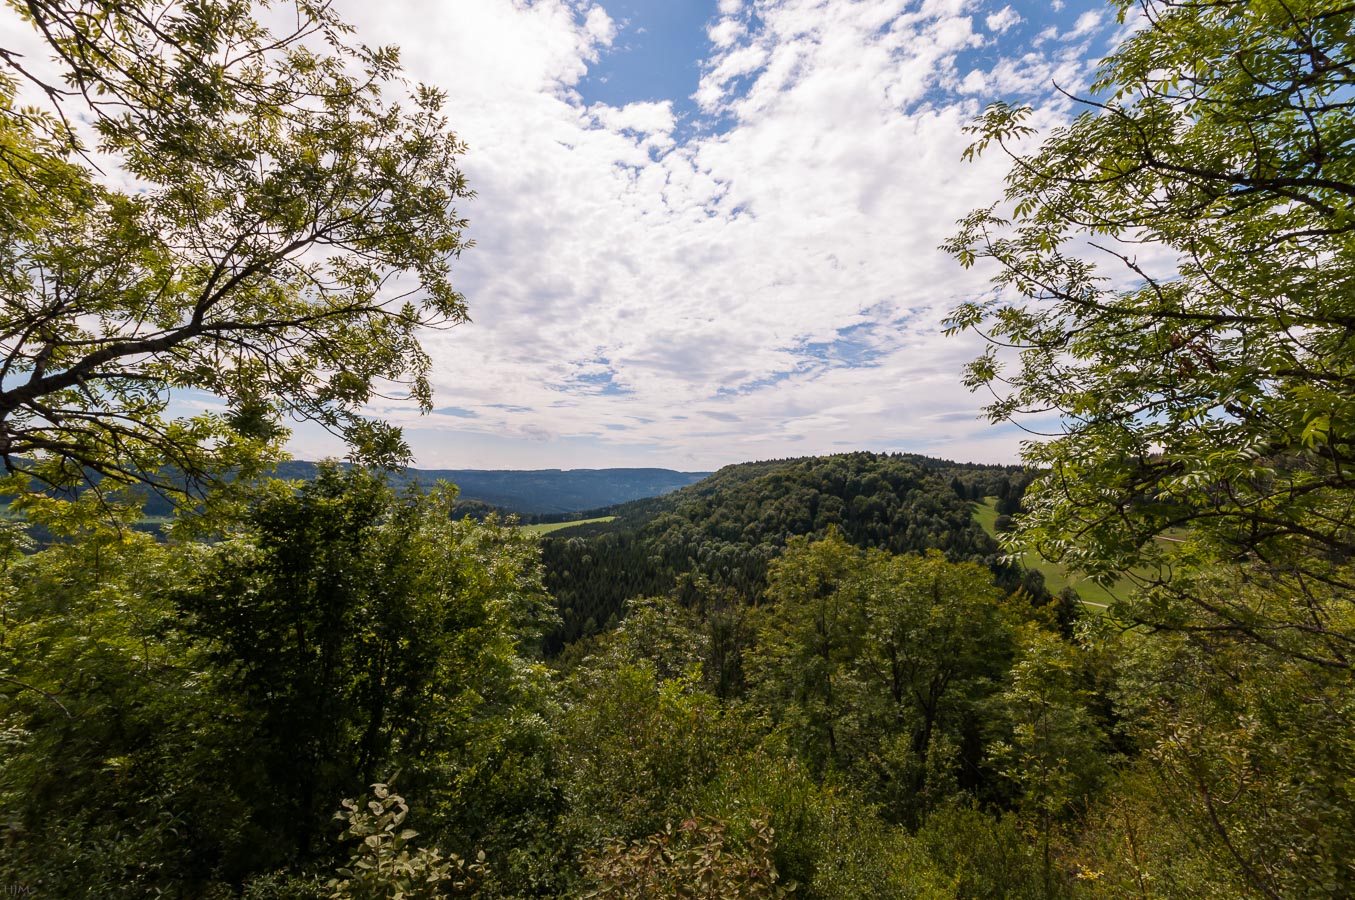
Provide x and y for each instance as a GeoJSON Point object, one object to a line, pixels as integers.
{"type": "Point", "coordinates": [539, 491]}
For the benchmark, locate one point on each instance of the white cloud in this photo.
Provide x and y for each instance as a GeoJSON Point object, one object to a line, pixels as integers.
{"type": "Point", "coordinates": [1032, 73]}
{"type": "Point", "coordinates": [734, 64]}
{"type": "Point", "coordinates": [772, 288]}
{"type": "Point", "coordinates": [974, 83]}
{"type": "Point", "coordinates": [1003, 19]}
{"type": "Point", "coordinates": [725, 32]}
{"type": "Point", "coordinates": [1086, 23]}
{"type": "Point", "coordinates": [651, 123]}
{"type": "Point", "coordinates": [599, 27]}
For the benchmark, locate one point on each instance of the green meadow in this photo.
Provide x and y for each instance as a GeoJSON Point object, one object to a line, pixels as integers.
{"type": "Point", "coordinates": [549, 527]}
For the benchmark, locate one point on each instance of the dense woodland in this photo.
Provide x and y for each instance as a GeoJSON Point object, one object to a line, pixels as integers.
{"type": "Point", "coordinates": [813, 678]}
{"type": "Point", "coordinates": [712, 543]}
{"type": "Point", "coordinates": [807, 701]}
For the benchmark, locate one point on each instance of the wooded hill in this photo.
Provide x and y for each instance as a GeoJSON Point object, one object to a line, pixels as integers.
{"type": "Point", "coordinates": [716, 538]}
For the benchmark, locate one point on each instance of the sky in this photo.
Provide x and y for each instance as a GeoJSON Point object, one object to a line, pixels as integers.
{"type": "Point", "coordinates": [706, 231]}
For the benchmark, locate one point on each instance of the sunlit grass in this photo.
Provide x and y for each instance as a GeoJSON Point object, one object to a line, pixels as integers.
{"type": "Point", "coordinates": [557, 526]}
{"type": "Point", "coordinates": [1056, 578]}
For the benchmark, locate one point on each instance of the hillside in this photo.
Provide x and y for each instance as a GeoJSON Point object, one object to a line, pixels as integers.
{"type": "Point", "coordinates": [715, 538]}
{"type": "Point", "coordinates": [541, 492]}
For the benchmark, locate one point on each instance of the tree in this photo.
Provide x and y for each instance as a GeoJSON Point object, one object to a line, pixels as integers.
{"type": "Point", "coordinates": [811, 634]}
{"type": "Point", "coordinates": [121, 766]}
{"type": "Point", "coordinates": [269, 226]}
{"type": "Point", "coordinates": [635, 750]}
{"type": "Point", "coordinates": [1204, 392]}
{"type": "Point", "coordinates": [1206, 384]}
{"type": "Point", "coordinates": [1242, 784]}
{"type": "Point", "coordinates": [693, 861]}
{"type": "Point", "coordinates": [367, 632]}
{"type": "Point", "coordinates": [936, 646]}
{"type": "Point", "coordinates": [1053, 755]}
{"type": "Point", "coordinates": [178, 717]}
{"type": "Point", "coordinates": [383, 865]}
{"type": "Point", "coordinates": [876, 666]}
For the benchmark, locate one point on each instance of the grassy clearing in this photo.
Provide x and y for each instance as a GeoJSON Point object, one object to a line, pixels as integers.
{"type": "Point", "coordinates": [1056, 578]}
{"type": "Point", "coordinates": [985, 514]}
{"type": "Point", "coordinates": [557, 526]}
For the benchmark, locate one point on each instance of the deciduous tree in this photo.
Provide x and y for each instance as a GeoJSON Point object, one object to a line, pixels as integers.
{"type": "Point", "coordinates": [1175, 271]}
{"type": "Point", "coordinates": [369, 632]}
{"type": "Point", "coordinates": [264, 215]}
{"type": "Point", "coordinates": [1175, 267]}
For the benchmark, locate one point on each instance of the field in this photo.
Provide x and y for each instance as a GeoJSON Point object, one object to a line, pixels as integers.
{"type": "Point", "coordinates": [1056, 578]}
{"type": "Point", "coordinates": [557, 526]}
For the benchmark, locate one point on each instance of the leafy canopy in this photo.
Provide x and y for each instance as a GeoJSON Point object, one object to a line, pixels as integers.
{"type": "Point", "coordinates": [1174, 271]}
{"type": "Point", "coordinates": [243, 212]}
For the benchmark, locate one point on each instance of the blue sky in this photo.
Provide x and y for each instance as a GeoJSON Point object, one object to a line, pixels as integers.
{"type": "Point", "coordinates": [660, 46]}
{"type": "Point", "coordinates": [706, 232]}
{"type": "Point", "coordinates": [656, 55]}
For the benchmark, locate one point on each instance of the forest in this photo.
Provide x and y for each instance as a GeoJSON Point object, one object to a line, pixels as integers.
{"type": "Point", "coordinates": [816, 677]}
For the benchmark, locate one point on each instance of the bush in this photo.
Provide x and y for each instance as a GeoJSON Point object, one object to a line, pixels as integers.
{"type": "Point", "coordinates": [384, 864]}
{"type": "Point", "coordinates": [695, 860]}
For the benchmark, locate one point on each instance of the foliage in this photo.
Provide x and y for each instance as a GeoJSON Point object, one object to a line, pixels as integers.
{"type": "Point", "coordinates": [174, 714]}
{"type": "Point", "coordinates": [636, 750]}
{"type": "Point", "coordinates": [383, 866]}
{"type": "Point", "coordinates": [170, 707]}
{"type": "Point", "coordinates": [693, 861]}
{"type": "Point", "coordinates": [710, 544]}
{"type": "Point", "coordinates": [1207, 382]}
{"type": "Point", "coordinates": [828, 840]}
{"type": "Point", "coordinates": [878, 665]}
{"type": "Point", "coordinates": [269, 197]}
{"type": "Point", "coordinates": [366, 629]}
{"type": "Point", "coordinates": [1055, 753]}
{"type": "Point", "coordinates": [1245, 755]}
{"type": "Point", "coordinates": [1203, 387]}
{"type": "Point", "coordinates": [658, 632]}
{"type": "Point", "coordinates": [119, 766]}
{"type": "Point", "coordinates": [981, 856]}
{"type": "Point", "coordinates": [284, 886]}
